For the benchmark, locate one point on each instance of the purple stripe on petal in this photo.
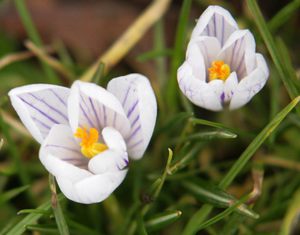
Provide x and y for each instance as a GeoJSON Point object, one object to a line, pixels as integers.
{"type": "Point", "coordinates": [86, 116]}
{"type": "Point", "coordinates": [208, 31]}
{"type": "Point", "coordinates": [134, 132]}
{"type": "Point", "coordinates": [222, 97]}
{"type": "Point", "coordinates": [135, 120]}
{"type": "Point", "coordinates": [41, 123]}
{"type": "Point", "coordinates": [95, 112]}
{"type": "Point", "coordinates": [136, 144]}
{"type": "Point", "coordinates": [104, 115]}
{"type": "Point", "coordinates": [63, 147]}
{"type": "Point", "coordinates": [58, 97]}
{"type": "Point", "coordinates": [40, 111]}
{"type": "Point", "coordinates": [223, 32]}
{"type": "Point", "coordinates": [49, 106]}
{"type": "Point", "coordinates": [215, 25]}
{"type": "Point", "coordinates": [132, 108]}
{"type": "Point", "coordinates": [126, 96]}
{"type": "Point", "coordinates": [233, 51]}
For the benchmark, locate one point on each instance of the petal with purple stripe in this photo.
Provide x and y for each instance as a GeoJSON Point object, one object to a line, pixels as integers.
{"type": "Point", "coordinates": [137, 97]}
{"type": "Point", "coordinates": [40, 107]}
{"type": "Point", "coordinates": [61, 144]}
{"type": "Point", "coordinates": [239, 52]}
{"type": "Point", "coordinates": [90, 106]}
{"type": "Point", "coordinates": [216, 22]}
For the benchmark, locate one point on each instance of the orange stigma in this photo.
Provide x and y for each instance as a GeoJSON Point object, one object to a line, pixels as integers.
{"type": "Point", "coordinates": [218, 70]}
{"type": "Point", "coordinates": [89, 142]}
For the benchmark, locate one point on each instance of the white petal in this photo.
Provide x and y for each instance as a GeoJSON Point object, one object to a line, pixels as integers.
{"type": "Point", "coordinates": [202, 49]}
{"type": "Point", "coordinates": [249, 86]}
{"type": "Point", "coordinates": [230, 85]}
{"type": "Point", "coordinates": [233, 52]}
{"type": "Point", "coordinates": [216, 22]}
{"type": "Point", "coordinates": [92, 189]}
{"type": "Point", "coordinates": [61, 156]}
{"type": "Point", "coordinates": [40, 106]}
{"type": "Point", "coordinates": [108, 161]}
{"type": "Point", "coordinates": [198, 92]}
{"type": "Point", "coordinates": [113, 139]}
{"type": "Point", "coordinates": [90, 105]}
{"type": "Point", "coordinates": [218, 87]}
{"type": "Point", "coordinates": [261, 63]}
{"type": "Point", "coordinates": [135, 93]}
{"type": "Point", "coordinates": [196, 60]}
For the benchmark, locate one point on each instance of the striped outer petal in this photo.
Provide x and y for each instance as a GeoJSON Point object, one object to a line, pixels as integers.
{"type": "Point", "coordinates": [40, 106]}
{"type": "Point", "coordinates": [90, 106]}
{"type": "Point", "coordinates": [239, 52]}
{"type": "Point", "coordinates": [209, 48]}
{"type": "Point", "coordinates": [217, 22]}
{"type": "Point", "coordinates": [92, 189]}
{"type": "Point", "coordinates": [138, 100]}
{"type": "Point", "coordinates": [61, 145]}
{"type": "Point", "coordinates": [200, 93]}
{"type": "Point", "coordinates": [250, 85]}
{"type": "Point", "coordinates": [80, 179]}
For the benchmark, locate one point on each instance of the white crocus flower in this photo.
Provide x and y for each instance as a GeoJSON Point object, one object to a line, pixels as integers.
{"type": "Point", "coordinates": [221, 66]}
{"type": "Point", "coordinates": [87, 132]}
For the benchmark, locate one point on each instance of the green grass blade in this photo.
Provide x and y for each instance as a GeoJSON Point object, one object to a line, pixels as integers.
{"type": "Point", "coordinates": [6, 196]}
{"type": "Point", "coordinates": [178, 53]}
{"type": "Point", "coordinates": [273, 50]}
{"type": "Point", "coordinates": [291, 216]}
{"type": "Point", "coordinates": [162, 220]}
{"type": "Point", "coordinates": [57, 210]}
{"type": "Point", "coordinates": [34, 36]}
{"type": "Point", "coordinates": [283, 15]}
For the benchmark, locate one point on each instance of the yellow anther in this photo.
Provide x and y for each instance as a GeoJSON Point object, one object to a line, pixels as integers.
{"type": "Point", "coordinates": [218, 70]}
{"type": "Point", "coordinates": [89, 142]}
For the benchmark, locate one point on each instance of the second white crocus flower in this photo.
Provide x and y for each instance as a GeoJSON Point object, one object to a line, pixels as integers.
{"type": "Point", "coordinates": [87, 132]}
{"type": "Point", "coordinates": [221, 66]}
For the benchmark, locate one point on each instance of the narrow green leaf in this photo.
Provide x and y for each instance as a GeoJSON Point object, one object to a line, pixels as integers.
{"type": "Point", "coordinates": [216, 196]}
{"type": "Point", "coordinates": [44, 229]}
{"type": "Point", "coordinates": [162, 220]}
{"type": "Point", "coordinates": [178, 53]}
{"type": "Point", "coordinates": [283, 15]}
{"type": "Point", "coordinates": [57, 210]}
{"type": "Point", "coordinates": [222, 215]}
{"type": "Point", "coordinates": [181, 163]}
{"type": "Point", "coordinates": [154, 54]}
{"type": "Point", "coordinates": [198, 121]}
{"type": "Point", "coordinates": [99, 73]}
{"type": "Point", "coordinates": [4, 197]}
{"type": "Point", "coordinates": [292, 215]}
{"type": "Point", "coordinates": [34, 211]}
{"type": "Point", "coordinates": [207, 135]}
{"type": "Point", "coordinates": [20, 227]}
{"type": "Point", "coordinates": [273, 50]}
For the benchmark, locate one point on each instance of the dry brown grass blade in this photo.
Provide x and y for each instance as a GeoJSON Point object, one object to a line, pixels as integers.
{"type": "Point", "coordinates": [130, 37]}
{"type": "Point", "coordinates": [15, 57]}
{"type": "Point", "coordinates": [55, 64]}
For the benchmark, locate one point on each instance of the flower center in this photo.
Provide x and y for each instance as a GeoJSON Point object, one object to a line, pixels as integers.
{"type": "Point", "coordinates": [89, 142]}
{"type": "Point", "coordinates": [218, 70]}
